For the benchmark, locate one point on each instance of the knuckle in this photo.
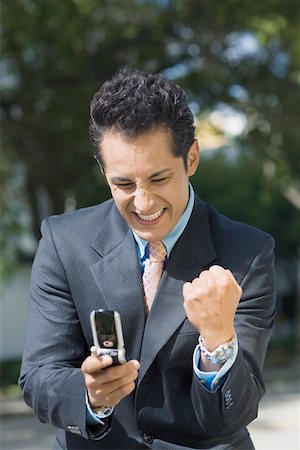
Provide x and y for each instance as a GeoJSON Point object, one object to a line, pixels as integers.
{"type": "Point", "coordinates": [108, 375]}
{"type": "Point", "coordinates": [185, 305]}
{"type": "Point", "coordinates": [101, 392]}
{"type": "Point", "coordinates": [126, 389]}
{"type": "Point", "coordinates": [208, 284]}
{"type": "Point", "coordinates": [129, 388]}
{"type": "Point", "coordinates": [135, 374]}
{"type": "Point", "coordinates": [89, 381]}
{"type": "Point", "coordinates": [187, 285]}
{"type": "Point", "coordinates": [109, 400]}
{"type": "Point", "coordinates": [132, 366]}
{"type": "Point", "coordinates": [223, 282]}
{"type": "Point", "coordinates": [194, 285]}
{"type": "Point", "coordinates": [188, 303]}
{"type": "Point", "coordinates": [92, 384]}
{"type": "Point", "coordinates": [85, 366]}
{"type": "Point", "coordinates": [215, 267]}
{"type": "Point", "coordinates": [203, 275]}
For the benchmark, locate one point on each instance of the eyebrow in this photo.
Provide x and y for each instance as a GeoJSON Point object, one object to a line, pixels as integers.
{"type": "Point", "coordinates": [126, 180]}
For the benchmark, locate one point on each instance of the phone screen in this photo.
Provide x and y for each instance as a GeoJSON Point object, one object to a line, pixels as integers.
{"type": "Point", "coordinates": [105, 328]}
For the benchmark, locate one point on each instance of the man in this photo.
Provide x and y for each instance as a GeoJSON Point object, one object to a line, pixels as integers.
{"type": "Point", "coordinates": [195, 343]}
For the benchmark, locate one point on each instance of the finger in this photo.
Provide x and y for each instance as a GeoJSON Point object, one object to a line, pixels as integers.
{"type": "Point", "coordinates": [230, 274]}
{"type": "Point", "coordinates": [118, 372]}
{"type": "Point", "coordinates": [223, 277]}
{"type": "Point", "coordinates": [93, 364]}
{"type": "Point", "coordinates": [187, 289]}
{"type": "Point", "coordinates": [226, 278]}
{"type": "Point", "coordinates": [217, 271]}
{"type": "Point", "coordinates": [113, 398]}
{"type": "Point", "coordinates": [102, 383]}
{"type": "Point", "coordinates": [107, 388]}
{"type": "Point", "coordinates": [207, 279]}
{"type": "Point", "coordinates": [224, 274]}
{"type": "Point", "coordinates": [109, 393]}
{"type": "Point", "coordinates": [194, 290]}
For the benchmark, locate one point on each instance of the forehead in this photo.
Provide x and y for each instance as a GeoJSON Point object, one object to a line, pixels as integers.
{"type": "Point", "coordinates": [152, 148]}
{"type": "Point", "coordinates": [154, 134]}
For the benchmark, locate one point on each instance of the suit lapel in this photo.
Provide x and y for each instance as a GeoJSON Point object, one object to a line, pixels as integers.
{"type": "Point", "coordinates": [118, 277]}
{"type": "Point", "coordinates": [192, 253]}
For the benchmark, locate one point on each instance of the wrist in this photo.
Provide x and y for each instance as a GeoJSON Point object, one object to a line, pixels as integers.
{"type": "Point", "coordinates": [211, 342]}
{"type": "Point", "coordinates": [221, 353]}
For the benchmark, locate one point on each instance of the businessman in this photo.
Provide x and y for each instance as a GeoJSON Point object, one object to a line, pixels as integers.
{"type": "Point", "coordinates": [195, 291]}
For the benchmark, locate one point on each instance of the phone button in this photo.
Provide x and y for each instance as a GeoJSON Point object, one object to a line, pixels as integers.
{"type": "Point", "coordinates": [148, 437]}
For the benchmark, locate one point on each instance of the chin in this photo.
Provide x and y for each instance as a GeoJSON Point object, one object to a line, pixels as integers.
{"type": "Point", "coordinates": [155, 237]}
{"type": "Point", "coordinates": [147, 236]}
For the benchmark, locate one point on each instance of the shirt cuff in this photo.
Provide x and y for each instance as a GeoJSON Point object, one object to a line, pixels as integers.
{"type": "Point", "coordinates": [94, 419]}
{"type": "Point", "coordinates": [211, 380]}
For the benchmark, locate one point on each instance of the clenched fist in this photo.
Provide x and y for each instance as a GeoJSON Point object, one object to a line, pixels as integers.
{"type": "Point", "coordinates": [210, 303]}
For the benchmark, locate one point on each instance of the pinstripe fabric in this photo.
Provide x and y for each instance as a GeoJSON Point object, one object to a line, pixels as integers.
{"type": "Point", "coordinates": [87, 260]}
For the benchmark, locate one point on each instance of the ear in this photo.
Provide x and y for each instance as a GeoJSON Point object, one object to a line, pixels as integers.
{"type": "Point", "coordinates": [193, 158]}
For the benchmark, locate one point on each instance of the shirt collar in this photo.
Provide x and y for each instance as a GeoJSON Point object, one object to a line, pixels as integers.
{"type": "Point", "coordinates": [170, 240]}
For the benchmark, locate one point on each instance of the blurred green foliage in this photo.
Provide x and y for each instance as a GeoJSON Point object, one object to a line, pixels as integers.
{"type": "Point", "coordinates": [10, 212]}
{"type": "Point", "coordinates": [9, 371]}
{"type": "Point", "coordinates": [241, 190]}
{"type": "Point", "coordinates": [56, 54]}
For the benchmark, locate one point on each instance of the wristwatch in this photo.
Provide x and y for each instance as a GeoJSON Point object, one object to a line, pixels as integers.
{"type": "Point", "coordinates": [221, 354]}
{"type": "Point", "coordinates": [101, 410]}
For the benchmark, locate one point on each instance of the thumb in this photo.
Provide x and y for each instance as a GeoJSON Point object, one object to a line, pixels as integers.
{"type": "Point", "coordinates": [94, 364]}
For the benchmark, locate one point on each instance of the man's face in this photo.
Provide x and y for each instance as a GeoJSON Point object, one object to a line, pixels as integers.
{"type": "Point", "coordinates": [148, 183]}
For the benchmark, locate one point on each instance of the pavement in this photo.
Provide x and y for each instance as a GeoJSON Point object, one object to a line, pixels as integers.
{"type": "Point", "coordinates": [276, 428]}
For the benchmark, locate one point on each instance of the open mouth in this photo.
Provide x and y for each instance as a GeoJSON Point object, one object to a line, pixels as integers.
{"type": "Point", "coordinates": [150, 217]}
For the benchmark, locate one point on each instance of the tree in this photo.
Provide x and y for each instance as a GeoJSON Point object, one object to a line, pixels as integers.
{"type": "Point", "coordinates": [247, 55]}
{"type": "Point", "coordinates": [249, 196]}
{"type": "Point", "coordinates": [56, 55]}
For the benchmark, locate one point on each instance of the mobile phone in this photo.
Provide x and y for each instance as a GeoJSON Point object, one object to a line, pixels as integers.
{"type": "Point", "coordinates": [108, 335]}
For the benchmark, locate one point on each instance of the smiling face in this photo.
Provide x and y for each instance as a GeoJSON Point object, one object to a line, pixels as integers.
{"type": "Point", "coordinates": [148, 183]}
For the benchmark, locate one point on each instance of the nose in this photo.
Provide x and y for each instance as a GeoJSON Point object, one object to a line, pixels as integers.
{"type": "Point", "coordinates": [142, 200]}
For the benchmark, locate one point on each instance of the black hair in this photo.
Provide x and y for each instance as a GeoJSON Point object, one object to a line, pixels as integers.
{"type": "Point", "coordinates": [133, 102]}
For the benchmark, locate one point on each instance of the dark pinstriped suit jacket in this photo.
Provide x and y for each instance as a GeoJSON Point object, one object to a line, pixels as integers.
{"type": "Point", "coordinates": [88, 260]}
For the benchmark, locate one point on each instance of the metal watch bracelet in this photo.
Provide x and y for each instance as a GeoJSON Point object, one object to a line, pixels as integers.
{"type": "Point", "coordinates": [100, 410]}
{"type": "Point", "coordinates": [221, 354]}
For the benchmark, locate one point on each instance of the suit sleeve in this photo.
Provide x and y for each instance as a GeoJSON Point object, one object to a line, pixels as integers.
{"type": "Point", "coordinates": [51, 379]}
{"type": "Point", "coordinates": [234, 404]}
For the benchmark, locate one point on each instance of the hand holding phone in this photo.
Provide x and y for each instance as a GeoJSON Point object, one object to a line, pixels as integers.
{"type": "Point", "coordinates": [107, 335]}
{"type": "Point", "coordinates": [107, 385]}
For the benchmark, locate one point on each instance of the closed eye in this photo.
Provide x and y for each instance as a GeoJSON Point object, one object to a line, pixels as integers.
{"type": "Point", "coordinates": [159, 180]}
{"type": "Point", "coordinates": [124, 185]}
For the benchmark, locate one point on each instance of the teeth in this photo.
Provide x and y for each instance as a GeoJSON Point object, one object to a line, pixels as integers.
{"type": "Point", "coordinates": [154, 216]}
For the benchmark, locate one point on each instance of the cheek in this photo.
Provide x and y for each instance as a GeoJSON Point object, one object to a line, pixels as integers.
{"type": "Point", "coordinates": [178, 203]}
{"type": "Point", "coordinates": [121, 202]}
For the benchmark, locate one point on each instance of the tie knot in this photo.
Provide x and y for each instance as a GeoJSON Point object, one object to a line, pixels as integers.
{"type": "Point", "coordinates": [157, 251]}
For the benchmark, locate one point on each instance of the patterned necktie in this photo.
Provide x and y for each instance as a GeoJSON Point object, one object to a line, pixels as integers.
{"type": "Point", "coordinates": [153, 270]}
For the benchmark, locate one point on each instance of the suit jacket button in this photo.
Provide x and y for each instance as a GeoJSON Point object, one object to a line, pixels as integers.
{"type": "Point", "coordinates": [73, 429]}
{"type": "Point", "coordinates": [148, 437]}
